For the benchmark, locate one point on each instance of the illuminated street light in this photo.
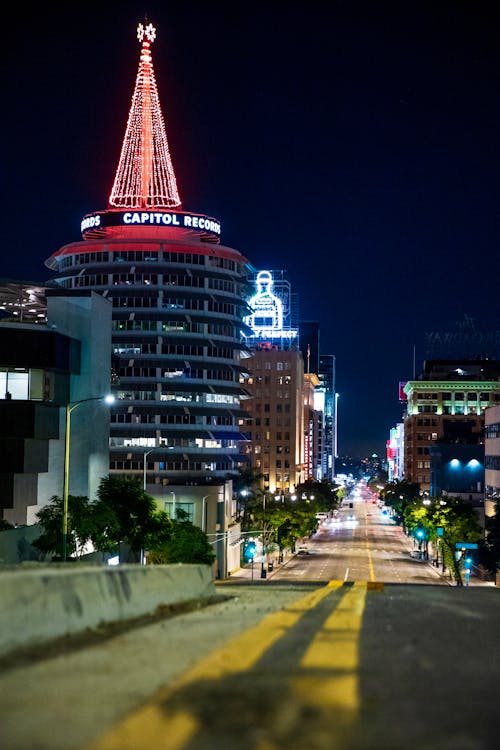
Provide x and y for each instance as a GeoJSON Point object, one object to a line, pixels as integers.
{"type": "Point", "coordinates": [69, 410]}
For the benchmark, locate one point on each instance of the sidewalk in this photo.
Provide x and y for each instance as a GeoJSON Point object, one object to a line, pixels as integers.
{"type": "Point", "coordinates": [253, 571]}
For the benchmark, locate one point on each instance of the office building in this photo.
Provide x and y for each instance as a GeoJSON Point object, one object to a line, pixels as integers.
{"type": "Point", "coordinates": [43, 368]}
{"type": "Point", "coordinates": [492, 460]}
{"type": "Point", "coordinates": [276, 418]}
{"type": "Point", "coordinates": [446, 404]}
{"type": "Point", "coordinates": [178, 299]}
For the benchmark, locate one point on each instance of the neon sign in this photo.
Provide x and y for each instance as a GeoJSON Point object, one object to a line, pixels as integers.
{"type": "Point", "coordinates": [266, 320]}
{"type": "Point", "coordinates": [151, 218]}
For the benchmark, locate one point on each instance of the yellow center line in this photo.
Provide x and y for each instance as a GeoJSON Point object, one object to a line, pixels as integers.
{"type": "Point", "coordinates": [155, 720]}
{"type": "Point", "coordinates": [370, 563]}
{"type": "Point", "coordinates": [329, 678]}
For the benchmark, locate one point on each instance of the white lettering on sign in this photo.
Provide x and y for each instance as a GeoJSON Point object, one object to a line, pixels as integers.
{"type": "Point", "coordinates": [168, 219]}
{"type": "Point", "coordinates": [90, 222]}
{"type": "Point", "coordinates": [151, 218]}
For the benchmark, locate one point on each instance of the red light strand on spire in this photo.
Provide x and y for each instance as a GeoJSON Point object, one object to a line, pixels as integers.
{"type": "Point", "coordinates": [145, 176]}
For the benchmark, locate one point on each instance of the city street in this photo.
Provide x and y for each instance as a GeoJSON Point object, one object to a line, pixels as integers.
{"type": "Point", "coordinates": [355, 645]}
{"type": "Point", "coordinates": [366, 547]}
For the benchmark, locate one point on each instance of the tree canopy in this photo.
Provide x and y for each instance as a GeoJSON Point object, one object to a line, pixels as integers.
{"type": "Point", "coordinates": [123, 519]}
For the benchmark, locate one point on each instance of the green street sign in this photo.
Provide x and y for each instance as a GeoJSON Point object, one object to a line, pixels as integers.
{"type": "Point", "coordinates": [465, 545]}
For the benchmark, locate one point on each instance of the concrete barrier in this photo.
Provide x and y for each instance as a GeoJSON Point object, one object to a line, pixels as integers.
{"type": "Point", "coordinates": [41, 604]}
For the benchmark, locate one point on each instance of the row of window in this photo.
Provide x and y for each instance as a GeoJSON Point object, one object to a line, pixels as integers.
{"type": "Point", "coordinates": [180, 397]}
{"type": "Point", "coordinates": [184, 350]}
{"type": "Point", "coordinates": [257, 365]}
{"type": "Point", "coordinates": [266, 380]}
{"type": "Point", "coordinates": [267, 449]}
{"type": "Point", "coordinates": [286, 478]}
{"type": "Point", "coordinates": [492, 462]}
{"type": "Point", "coordinates": [492, 431]}
{"type": "Point", "coordinates": [278, 393]}
{"type": "Point", "coordinates": [175, 326]}
{"type": "Point", "coordinates": [280, 408]}
{"type": "Point", "coordinates": [193, 374]}
{"type": "Point", "coordinates": [278, 465]}
{"type": "Point", "coordinates": [185, 465]}
{"type": "Point", "coordinates": [149, 256]}
{"type": "Point", "coordinates": [452, 395]}
{"type": "Point", "coordinates": [147, 302]}
{"type": "Point", "coordinates": [183, 419]}
{"type": "Point", "coordinates": [267, 437]}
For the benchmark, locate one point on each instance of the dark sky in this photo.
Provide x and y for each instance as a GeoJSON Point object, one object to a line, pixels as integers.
{"type": "Point", "coordinates": [355, 146]}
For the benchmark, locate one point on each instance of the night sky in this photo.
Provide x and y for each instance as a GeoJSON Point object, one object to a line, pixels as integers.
{"type": "Point", "coordinates": [355, 146]}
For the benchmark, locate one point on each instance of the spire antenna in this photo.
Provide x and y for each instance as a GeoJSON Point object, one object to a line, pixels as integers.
{"type": "Point", "coordinates": [145, 176]}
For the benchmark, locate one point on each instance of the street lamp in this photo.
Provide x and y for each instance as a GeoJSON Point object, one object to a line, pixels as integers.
{"type": "Point", "coordinates": [203, 519]}
{"type": "Point", "coordinates": [70, 407]}
{"type": "Point", "coordinates": [146, 454]}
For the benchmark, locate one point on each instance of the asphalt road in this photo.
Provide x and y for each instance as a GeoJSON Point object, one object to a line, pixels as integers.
{"type": "Point", "coordinates": [361, 666]}
{"type": "Point", "coordinates": [367, 547]}
{"type": "Point", "coordinates": [355, 646]}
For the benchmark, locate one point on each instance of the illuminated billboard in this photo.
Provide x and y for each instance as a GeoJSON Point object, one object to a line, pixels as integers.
{"type": "Point", "coordinates": [270, 316]}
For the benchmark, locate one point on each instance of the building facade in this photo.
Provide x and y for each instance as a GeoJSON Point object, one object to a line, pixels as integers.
{"type": "Point", "coordinates": [327, 385]}
{"type": "Point", "coordinates": [492, 460]}
{"type": "Point", "coordinates": [446, 404]}
{"type": "Point", "coordinates": [276, 418]}
{"type": "Point", "coordinates": [44, 368]}
{"type": "Point", "coordinates": [178, 300]}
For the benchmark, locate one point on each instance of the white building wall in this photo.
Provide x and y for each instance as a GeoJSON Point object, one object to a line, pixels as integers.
{"type": "Point", "coordinates": [491, 449]}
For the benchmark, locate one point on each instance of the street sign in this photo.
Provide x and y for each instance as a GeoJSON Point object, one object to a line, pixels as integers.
{"type": "Point", "coordinates": [440, 531]}
{"type": "Point", "coordinates": [465, 545]}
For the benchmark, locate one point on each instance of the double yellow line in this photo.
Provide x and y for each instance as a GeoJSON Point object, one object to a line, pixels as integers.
{"type": "Point", "coordinates": [325, 678]}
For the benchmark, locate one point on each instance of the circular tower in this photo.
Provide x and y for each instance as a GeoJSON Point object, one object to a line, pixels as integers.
{"type": "Point", "coordinates": [178, 303]}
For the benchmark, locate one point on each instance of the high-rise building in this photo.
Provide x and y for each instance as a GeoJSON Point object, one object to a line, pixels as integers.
{"type": "Point", "coordinates": [323, 365]}
{"type": "Point", "coordinates": [329, 452]}
{"type": "Point", "coordinates": [178, 302]}
{"type": "Point", "coordinates": [45, 368]}
{"type": "Point", "coordinates": [447, 404]}
{"type": "Point", "coordinates": [276, 418]}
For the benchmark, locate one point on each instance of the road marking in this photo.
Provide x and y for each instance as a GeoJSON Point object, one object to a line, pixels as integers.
{"type": "Point", "coordinates": [157, 719]}
{"type": "Point", "coordinates": [370, 563]}
{"type": "Point", "coordinates": [330, 679]}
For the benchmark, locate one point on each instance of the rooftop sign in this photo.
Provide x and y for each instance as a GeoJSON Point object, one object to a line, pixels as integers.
{"type": "Point", "coordinates": [153, 218]}
{"type": "Point", "coordinates": [267, 317]}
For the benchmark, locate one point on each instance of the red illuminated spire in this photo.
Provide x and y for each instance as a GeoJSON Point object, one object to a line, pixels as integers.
{"type": "Point", "coordinates": [145, 176]}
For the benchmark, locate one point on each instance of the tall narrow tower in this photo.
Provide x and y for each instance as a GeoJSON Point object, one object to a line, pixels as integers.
{"type": "Point", "coordinates": [178, 306]}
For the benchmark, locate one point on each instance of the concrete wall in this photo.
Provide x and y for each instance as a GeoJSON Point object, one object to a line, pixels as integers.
{"type": "Point", "coordinates": [16, 545]}
{"type": "Point", "coordinates": [44, 603]}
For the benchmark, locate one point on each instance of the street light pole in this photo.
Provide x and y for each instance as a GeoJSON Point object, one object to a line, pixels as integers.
{"type": "Point", "coordinates": [203, 520]}
{"type": "Point", "coordinates": [146, 454]}
{"type": "Point", "coordinates": [69, 410]}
